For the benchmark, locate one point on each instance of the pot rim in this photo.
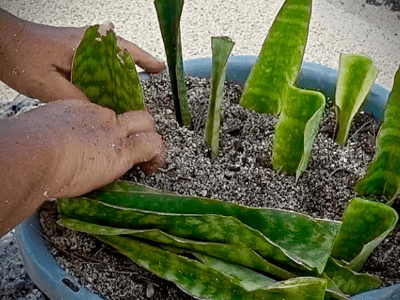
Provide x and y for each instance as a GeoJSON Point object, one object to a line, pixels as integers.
{"type": "Point", "coordinates": [51, 278]}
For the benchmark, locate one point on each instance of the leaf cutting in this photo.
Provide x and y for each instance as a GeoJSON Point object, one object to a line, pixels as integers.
{"type": "Point", "coordinates": [221, 48]}
{"type": "Point", "coordinates": [106, 75]}
{"type": "Point", "coordinates": [356, 76]}
{"type": "Point", "coordinates": [169, 16]}
{"type": "Point", "coordinates": [382, 177]}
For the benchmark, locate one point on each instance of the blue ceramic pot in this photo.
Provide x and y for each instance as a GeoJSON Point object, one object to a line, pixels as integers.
{"type": "Point", "coordinates": [49, 276]}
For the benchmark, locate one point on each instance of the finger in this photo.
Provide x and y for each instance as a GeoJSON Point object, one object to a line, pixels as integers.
{"type": "Point", "coordinates": [152, 165]}
{"type": "Point", "coordinates": [55, 88]}
{"type": "Point", "coordinates": [142, 58]}
{"type": "Point", "coordinates": [141, 148]}
{"type": "Point", "coordinates": [136, 122]}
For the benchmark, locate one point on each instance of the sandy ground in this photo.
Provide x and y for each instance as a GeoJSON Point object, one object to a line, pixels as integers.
{"type": "Point", "coordinates": [337, 26]}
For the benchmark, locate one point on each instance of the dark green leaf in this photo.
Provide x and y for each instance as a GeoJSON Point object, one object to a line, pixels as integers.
{"type": "Point", "coordinates": [308, 239]}
{"type": "Point", "coordinates": [106, 75]}
{"type": "Point", "coordinates": [221, 49]}
{"type": "Point", "coordinates": [169, 16]}
{"type": "Point", "coordinates": [202, 281]}
{"type": "Point", "coordinates": [234, 253]}
{"type": "Point", "coordinates": [383, 174]}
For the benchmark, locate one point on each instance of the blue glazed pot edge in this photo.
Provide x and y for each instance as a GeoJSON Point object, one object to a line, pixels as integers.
{"type": "Point", "coordinates": [60, 285]}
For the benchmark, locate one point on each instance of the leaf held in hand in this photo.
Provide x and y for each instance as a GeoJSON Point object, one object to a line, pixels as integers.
{"type": "Point", "coordinates": [106, 75]}
{"type": "Point", "coordinates": [221, 48]}
{"type": "Point", "coordinates": [383, 174]}
{"type": "Point", "coordinates": [169, 16]}
{"type": "Point", "coordinates": [356, 76]}
{"type": "Point", "coordinates": [280, 59]}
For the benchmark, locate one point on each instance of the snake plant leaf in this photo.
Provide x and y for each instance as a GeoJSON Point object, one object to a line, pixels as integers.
{"type": "Point", "coordinates": [308, 239]}
{"type": "Point", "coordinates": [238, 254]}
{"type": "Point", "coordinates": [383, 174]}
{"type": "Point", "coordinates": [206, 228]}
{"type": "Point", "coordinates": [365, 224]}
{"type": "Point", "coordinates": [296, 129]}
{"type": "Point", "coordinates": [106, 75]}
{"type": "Point", "coordinates": [169, 16]}
{"type": "Point", "coordinates": [332, 290]}
{"type": "Point", "coordinates": [280, 59]}
{"type": "Point", "coordinates": [246, 278]}
{"type": "Point", "coordinates": [356, 76]}
{"type": "Point", "coordinates": [221, 49]}
{"type": "Point", "coordinates": [348, 281]}
{"type": "Point", "coordinates": [204, 282]}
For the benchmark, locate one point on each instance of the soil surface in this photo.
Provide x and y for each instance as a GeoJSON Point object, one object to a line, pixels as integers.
{"type": "Point", "coordinates": [242, 173]}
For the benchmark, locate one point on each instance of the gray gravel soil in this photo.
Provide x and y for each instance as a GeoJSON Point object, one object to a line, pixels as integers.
{"type": "Point", "coordinates": [241, 174]}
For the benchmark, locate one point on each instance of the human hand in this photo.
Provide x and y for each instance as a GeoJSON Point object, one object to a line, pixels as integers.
{"type": "Point", "coordinates": [36, 59]}
{"type": "Point", "coordinates": [79, 146]}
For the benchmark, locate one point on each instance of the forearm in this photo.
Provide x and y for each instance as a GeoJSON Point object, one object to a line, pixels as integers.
{"type": "Point", "coordinates": [23, 175]}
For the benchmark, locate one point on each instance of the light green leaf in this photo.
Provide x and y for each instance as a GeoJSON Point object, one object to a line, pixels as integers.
{"type": "Point", "coordinates": [221, 49]}
{"type": "Point", "coordinates": [303, 237]}
{"type": "Point", "coordinates": [365, 225]}
{"type": "Point", "coordinates": [280, 59]}
{"type": "Point", "coordinates": [357, 73]}
{"type": "Point", "coordinates": [169, 16]}
{"type": "Point", "coordinates": [383, 174]}
{"type": "Point", "coordinates": [106, 75]}
{"type": "Point", "coordinates": [296, 130]}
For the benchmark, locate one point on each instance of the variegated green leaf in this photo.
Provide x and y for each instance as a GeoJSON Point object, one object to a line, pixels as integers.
{"type": "Point", "coordinates": [383, 174]}
{"type": "Point", "coordinates": [246, 278]}
{"type": "Point", "coordinates": [280, 59]}
{"type": "Point", "coordinates": [206, 228]}
{"type": "Point", "coordinates": [296, 130]}
{"type": "Point", "coordinates": [204, 282]}
{"type": "Point", "coordinates": [221, 49]}
{"type": "Point", "coordinates": [357, 73]}
{"type": "Point", "coordinates": [303, 237]}
{"type": "Point", "coordinates": [235, 253]}
{"type": "Point", "coordinates": [169, 16]}
{"type": "Point", "coordinates": [365, 225]}
{"type": "Point", "coordinates": [106, 75]}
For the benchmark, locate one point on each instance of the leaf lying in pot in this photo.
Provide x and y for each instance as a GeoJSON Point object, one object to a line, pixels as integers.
{"type": "Point", "coordinates": [348, 281]}
{"type": "Point", "coordinates": [296, 130]}
{"type": "Point", "coordinates": [202, 281]}
{"type": "Point", "coordinates": [169, 16]}
{"type": "Point", "coordinates": [106, 75]}
{"type": "Point", "coordinates": [365, 225]}
{"type": "Point", "coordinates": [357, 73]}
{"type": "Point", "coordinates": [302, 237]}
{"type": "Point", "coordinates": [383, 174]}
{"type": "Point", "coordinates": [221, 48]}
{"type": "Point", "coordinates": [236, 253]}
{"type": "Point", "coordinates": [246, 278]}
{"type": "Point", "coordinates": [280, 59]}
{"type": "Point", "coordinates": [196, 278]}
{"type": "Point", "coordinates": [207, 228]}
